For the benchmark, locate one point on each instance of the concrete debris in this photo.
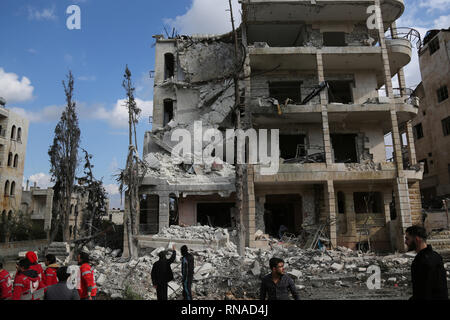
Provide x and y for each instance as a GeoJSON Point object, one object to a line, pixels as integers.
{"type": "Point", "coordinates": [222, 274]}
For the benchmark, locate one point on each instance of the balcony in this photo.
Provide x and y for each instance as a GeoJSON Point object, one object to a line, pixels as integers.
{"type": "Point", "coordinates": [264, 11]}
{"type": "Point", "coordinates": [321, 172]}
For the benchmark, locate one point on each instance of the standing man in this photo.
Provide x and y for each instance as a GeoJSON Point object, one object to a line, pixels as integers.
{"type": "Point", "coordinates": [5, 283]}
{"type": "Point", "coordinates": [429, 278]}
{"type": "Point", "coordinates": [162, 273]}
{"type": "Point", "coordinates": [27, 284]}
{"type": "Point", "coordinates": [50, 276]}
{"type": "Point", "coordinates": [277, 283]}
{"type": "Point", "coordinates": [187, 272]}
{"type": "Point", "coordinates": [34, 265]}
{"type": "Point", "coordinates": [61, 291]}
{"type": "Point", "coordinates": [88, 288]}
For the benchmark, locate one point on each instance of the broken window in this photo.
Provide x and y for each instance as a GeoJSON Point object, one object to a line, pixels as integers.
{"type": "Point", "coordinates": [341, 202]}
{"type": "Point", "coordinates": [434, 45]}
{"type": "Point", "coordinates": [368, 202]}
{"type": "Point", "coordinates": [149, 214]}
{"type": "Point", "coordinates": [214, 214]}
{"type": "Point", "coordinates": [283, 213]}
{"type": "Point", "coordinates": [292, 146]}
{"type": "Point", "coordinates": [446, 126]}
{"type": "Point", "coordinates": [334, 39]}
{"type": "Point", "coordinates": [168, 111]}
{"type": "Point", "coordinates": [173, 210]}
{"type": "Point", "coordinates": [425, 162]}
{"type": "Point", "coordinates": [442, 94]}
{"type": "Point", "coordinates": [418, 131]}
{"type": "Point", "coordinates": [340, 91]}
{"type": "Point", "coordinates": [283, 90]}
{"type": "Point", "coordinates": [344, 147]}
{"type": "Point", "coordinates": [169, 66]}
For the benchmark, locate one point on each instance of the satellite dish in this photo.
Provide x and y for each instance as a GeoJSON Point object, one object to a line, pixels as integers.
{"type": "Point", "coordinates": [2, 101]}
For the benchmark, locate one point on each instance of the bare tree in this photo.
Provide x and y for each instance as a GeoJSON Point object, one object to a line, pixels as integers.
{"type": "Point", "coordinates": [131, 177]}
{"type": "Point", "coordinates": [96, 197]}
{"type": "Point", "coordinates": [64, 160]}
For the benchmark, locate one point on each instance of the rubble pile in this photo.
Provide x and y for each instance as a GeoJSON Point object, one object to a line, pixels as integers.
{"type": "Point", "coordinates": [223, 274]}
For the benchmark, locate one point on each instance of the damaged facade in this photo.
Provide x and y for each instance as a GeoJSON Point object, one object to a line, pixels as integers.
{"type": "Point", "coordinates": [311, 69]}
{"type": "Point", "coordinates": [432, 124]}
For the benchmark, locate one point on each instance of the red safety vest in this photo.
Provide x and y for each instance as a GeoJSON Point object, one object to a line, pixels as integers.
{"type": "Point", "coordinates": [87, 281]}
{"type": "Point", "coordinates": [6, 285]}
{"type": "Point", "coordinates": [27, 287]}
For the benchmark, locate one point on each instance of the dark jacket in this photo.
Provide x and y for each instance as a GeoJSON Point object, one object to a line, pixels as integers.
{"type": "Point", "coordinates": [60, 291]}
{"type": "Point", "coordinates": [428, 275]}
{"type": "Point", "coordinates": [278, 291]}
{"type": "Point", "coordinates": [187, 267]}
{"type": "Point", "coordinates": [162, 272]}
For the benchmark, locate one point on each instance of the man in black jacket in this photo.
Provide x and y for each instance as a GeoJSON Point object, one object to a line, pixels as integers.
{"type": "Point", "coordinates": [187, 272]}
{"type": "Point", "coordinates": [428, 275]}
{"type": "Point", "coordinates": [276, 284]}
{"type": "Point", "coordinates": [61, 290]}
{"type": "Point", "coordinates": [162, 273]}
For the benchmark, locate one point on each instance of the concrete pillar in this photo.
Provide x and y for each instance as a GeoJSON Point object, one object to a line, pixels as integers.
{"type": "Point", "coordinates": [331, 210]}
{"type": "Point", "coordinates": [321, 77]}
{"type": "Point", "coordinates": [259, 213]}
{"type": "Point", "coordinates": [384, 51]}
{"type": "Point", "coordinates": [163, 212]}
{"type": "Point", "coordinates": [387, 198]}
{"type": "Point", "coordinates": [402, 205]}
{"type": "Point", "coordinates": [397, 143]}
{"type": "Point", "coordinates": [350, 213]}
{"type": "Point", "coordinates": [411, 146]}
{"type": "Point", "coordinates": [249, 220]}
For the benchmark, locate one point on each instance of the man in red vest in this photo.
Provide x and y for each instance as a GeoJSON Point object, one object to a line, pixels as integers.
{"type": "Point", "coordinates": [88, 288]}
{"type": "Point", "coordinates": [5, 283]}
{"type": "Point", "coordinates": [27, 284]}
{"type": "Point", "coordinates": [50, 273]}
{"type": "Point", "coordinates": [34, 265]}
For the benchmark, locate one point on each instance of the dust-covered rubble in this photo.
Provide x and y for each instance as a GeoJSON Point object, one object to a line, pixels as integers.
{"type": "Point", "coordinates": [223, 274]}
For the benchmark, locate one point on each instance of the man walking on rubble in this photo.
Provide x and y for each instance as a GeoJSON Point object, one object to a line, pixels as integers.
{"type": "Point", "coordinates": [162, 273]}
{"type": "Point", "coordinates": [187, 272]}
{"type": "Point", "coordinates": [88, 288]}
{"type": "Point", "coordinates": [276, 284]}
{"type": "Point", "coordinates": [428, 275]}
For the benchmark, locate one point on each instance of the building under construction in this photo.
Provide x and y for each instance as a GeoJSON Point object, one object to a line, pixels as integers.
{"type": "Point", "coordinates": [320, 73]}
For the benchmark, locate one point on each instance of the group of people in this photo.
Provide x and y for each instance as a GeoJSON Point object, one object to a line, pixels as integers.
{"type": "Point", "coordinates": [32, 282]}
{"type": "Point", "coordinates": [428, 275]}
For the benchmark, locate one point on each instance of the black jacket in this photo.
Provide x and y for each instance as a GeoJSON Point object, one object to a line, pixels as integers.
{"type": "Point", "coordinates": [60, 291]}
{"type": "Point", "coordinates": [187, 267]}
{"type": "Point", "coordinates": [278, 291]}
{"type": "Point", "coordinates": [428, 275]}
{"type": "Point", "coordinates": [162, 272]}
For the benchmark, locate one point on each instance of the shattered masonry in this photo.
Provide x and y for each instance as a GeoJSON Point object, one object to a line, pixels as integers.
{"type": "Point", "coordinates": [334, 170]}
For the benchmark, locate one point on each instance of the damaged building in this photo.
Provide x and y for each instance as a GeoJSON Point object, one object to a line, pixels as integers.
{"type": "Point", "coordinates": [313, 70]}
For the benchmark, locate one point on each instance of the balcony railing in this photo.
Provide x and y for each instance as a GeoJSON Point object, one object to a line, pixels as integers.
{"type": "Point", "coordinates": [410, 34]}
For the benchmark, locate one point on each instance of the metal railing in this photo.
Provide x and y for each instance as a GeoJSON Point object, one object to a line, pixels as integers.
{"type": "Point", "coordinates": [410, 34]}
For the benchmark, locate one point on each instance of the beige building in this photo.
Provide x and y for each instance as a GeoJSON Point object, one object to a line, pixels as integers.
{"type": "Point", "coordinates": [432, 124]}
{"type": "Point", "coordinates": [13, 144]}
{"type": "Point", "coordinates": [311, 69]}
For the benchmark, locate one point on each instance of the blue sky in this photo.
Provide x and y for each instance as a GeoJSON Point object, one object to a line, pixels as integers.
{"type": "Point", "coordinates": [38, 50]}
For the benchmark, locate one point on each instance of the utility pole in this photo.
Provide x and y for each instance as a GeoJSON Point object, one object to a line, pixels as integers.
{"type": "Point", "coordinates": [239, 180]}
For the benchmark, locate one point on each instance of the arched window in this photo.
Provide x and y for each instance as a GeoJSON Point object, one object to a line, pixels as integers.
{"type": "Point", "coordinates": [13, 188]}
{"type": "Point", "coordinates": [6, 187]}
{"type": "Point", "coordinates": [13, 132]}
{"type": "Point", "coordinates": [19, 134]}
{"type": "Point", "coordinates": [10, 159]}
{"type": "Point", "coordinates": [16, 160]}
{"type": "Point", "coordinates": [71, 209]}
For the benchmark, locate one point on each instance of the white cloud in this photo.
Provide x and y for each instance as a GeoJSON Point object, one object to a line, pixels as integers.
{"type": "Point", "coordinates": [42, 180]}
{"type": "Point", "coordinates": [112, 189]}
{"type": "Point", "coordinates": [32, 51]}
{"type": "Point", "coordinates": [14, 89]}
{"type": "Point", "coordinates": [206, 17]}
{"type": "Point", "coordinates": [44, 14]}
{"type": "Point", "coordinates": [48, 114]}
{"type": "Point", "coordinates": [114, 165]}
{"type": "Point", "coordinates": [443, 22]}
{"type": "Point", "coordinates": [118, 116]}
{"type": "Point", "coordinates": [435, 5]}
